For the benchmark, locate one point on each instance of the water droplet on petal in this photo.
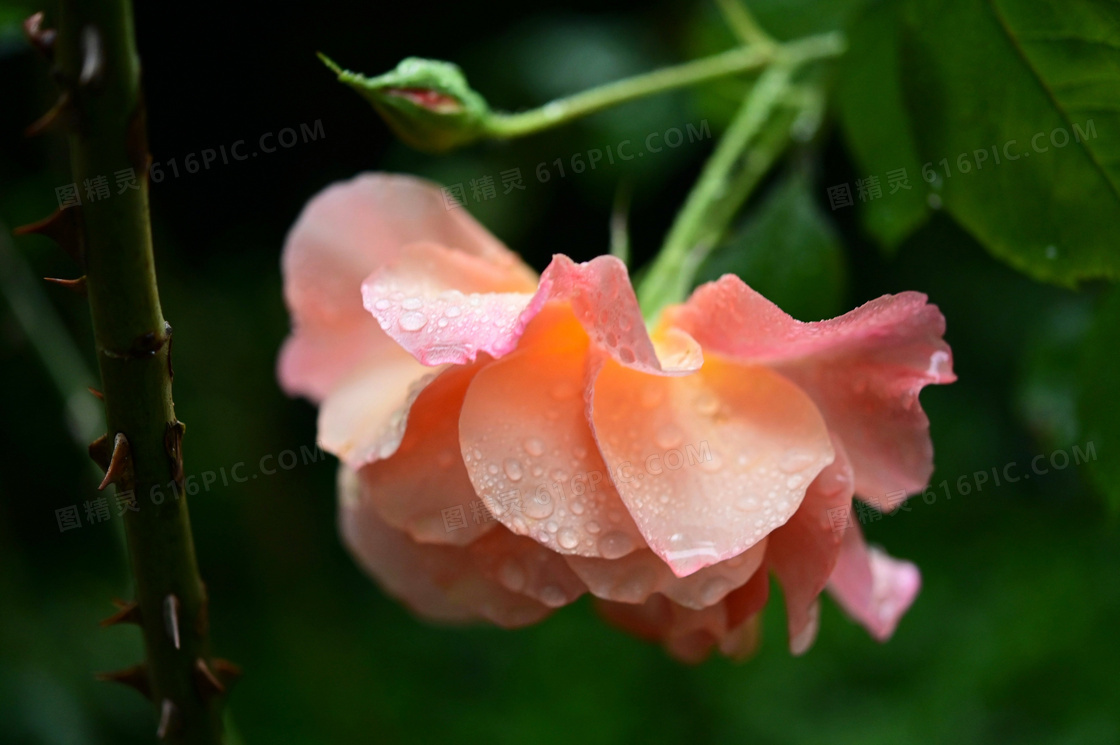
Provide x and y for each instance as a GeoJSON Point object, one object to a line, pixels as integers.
{"type": "Point", "coordinates": [552, 596]}
{"type": "Point", "coordinates": [568, 538]}
{"type": "Point", "coordinates": [615, 544]}
{"type": "Point", "coordinates": [592, 527]}
{"type": "Point", "coordinates": [626, 355]}
{"type": "Point", "coordinates": [794, 460]}
{"type": "Point", "coordinates": [412, 303]}
{"type": "Point", "coordinates": [795, 481]}
{"type": "Point", "coordinates": [412, 321]}
{"type": "Point", "coordinates": [453, 311]}
{"type": "Point", "coordinates": [513, 469]}
{"type": "Point", "coordinates": [534, 447]}
{"type": "Point", "coordinates": [512, 575]}
{"type": "Point", "coordinates": [669, 436]}
{"type": "Point", "coordinates": [382, 304]}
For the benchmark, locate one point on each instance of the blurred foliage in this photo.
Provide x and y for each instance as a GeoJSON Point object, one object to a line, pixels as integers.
{"type": "Point", "coordinates": [1013, 637]}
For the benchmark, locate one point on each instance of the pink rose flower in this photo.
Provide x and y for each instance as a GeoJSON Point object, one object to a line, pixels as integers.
{"type": "Point", "coordinates": [509, 442]}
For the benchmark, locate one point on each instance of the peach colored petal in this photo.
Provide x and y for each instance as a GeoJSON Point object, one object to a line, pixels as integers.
{"type": "Point", "coordinates": [522, 565]}
{"type": "Point", "coordinates": [872, 587]}
{"type": "Point", "coordinates": [690, 635]}
{"type": "Point", "coordinates": [415, 303]}
{"type": "Point", "coordinates": [434, 581]}
{"type": "Point", "coordinates": [344, 233]}
{"type": "Point", "coordinates": [363, 418]}
{"type": "Point", "coordinates": [423, 488]}
{"type": "Point", "coordinates": [746, 444]}
{"type": "Point", "coordinates": [803, 552]}
{"type": "Point", "coordinates": [528, 447]}
{"type": "Point", "coordinates": [864, 370]}
{"type": "Point", "coordinates": [636, 576]}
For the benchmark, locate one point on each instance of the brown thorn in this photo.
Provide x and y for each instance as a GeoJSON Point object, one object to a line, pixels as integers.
{"type": "Point", "coordinates": [207, 683]}
{"type": "Point", "coordinates": [41, 38]}
{"type": "Point", "coordinates": [74, 285]}
{"type": "Point", "coordinates": [57, 116]}
{"type": "Point", "coordinates": [168, 719]}
{"type": "Point", "coordinates": [100, 452]}
{"type": "Point", "coordinates": [171, 619]}
{"type": "Point", "coordinates": [226, 671]}
{"type": "Point", "coordinates": [119, 462]}
{"type": "Point", "coordinates": [135, 677]}
{"type": "Point", "coordinates": [64, 228]}
{"type": "Point", "coordinates": [126, 613]}
{"type": "Point", "coordinates": [96, 392]}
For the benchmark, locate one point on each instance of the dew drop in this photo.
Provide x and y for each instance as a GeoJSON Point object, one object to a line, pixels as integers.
{"type": "Point", "coordinates": [795, 481]}
{"type": "Point", "coordinates": [382, 304]}
{"type": "Point", "coordinates": [592, 527]}
{"type": "Point", "coordinates": [412, 303]}
{"type": "Point", "coordinates": [513, 469]}
{"type": "Point", "coordinates": [747, 504]}
{"type": "Point", "coordinates": [551, 526]}
{"type": "Point", "coordinates": [568, 538]}
{"type": "Point", "coordinates": [453, 311]}
{"type": "Point", "coordinates": [669, 436]}
{"type": "Point", "coordinates": [512, 575]}
{"type": "Point", "coordinates": [412, 321]}
{"type": "Point", "coordinates": [534, 447]}
{"type": "Point", "coordinates": [577, 508]}
{"type": "Point", "coordinates": [552, 596]}
{"type": "Point", "coordinates": [794, 460]}
{"type": "Point", "coordinates": [615, 544]}
{"type": "Point", "coordinates": [493, 469]}
{"type": "Point", "coordinates": [626, 354]}
{"type": "Point", "coordinates": [707, 404]}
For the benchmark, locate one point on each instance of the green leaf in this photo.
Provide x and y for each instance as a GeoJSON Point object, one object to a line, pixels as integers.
{"type": "Point", "coordinates": [877, 128]}
{"type": "Point", "coordinates": [788, 251]}
{"type": "Point", "coordinates": [985, 80]}
{"type": "Point", "coordinates": [1098, 404]}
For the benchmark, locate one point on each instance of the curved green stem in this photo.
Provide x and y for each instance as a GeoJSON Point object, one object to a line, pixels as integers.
{"type": "Point", "coordinates": [728, 177]}
{"type": "Point", "coordinates": [563, 110]}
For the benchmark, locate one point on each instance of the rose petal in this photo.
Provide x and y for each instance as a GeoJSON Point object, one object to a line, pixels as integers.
{"type": "Point", "coordinates": [745, 442]}
{"type": "Point", "coordinates": [414, 301]}
{"type": "Point", "coordinates": [345, 232]}
{"type": "Point", "coordinates": [363, 418]}
{"type": "Point", "coordinates": [690, 635]}
{"type": "Point", "coordinates": [803, 552]}
{"type": "Point", "coordinates": [423, 489]}
{"type": "Point", "coordinates": [522, 565]}
{"type": "Point", "coordinates": [528, 447]}
{"type": "Point", "coordinates": [864, 370]}
{"type": "Point", "coordinates": [434, 581]}
{"type": "Point", "coordinates": [871, 586]}
{"type": "Point", "coordinates": [636, 576]}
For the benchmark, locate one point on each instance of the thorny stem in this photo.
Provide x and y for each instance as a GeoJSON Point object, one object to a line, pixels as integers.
{"type": "Point", "coordinates": [100, 69]}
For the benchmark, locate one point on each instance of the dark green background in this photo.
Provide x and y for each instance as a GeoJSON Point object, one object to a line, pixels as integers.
{"type": "Point", "coordinates": [1014, 638]}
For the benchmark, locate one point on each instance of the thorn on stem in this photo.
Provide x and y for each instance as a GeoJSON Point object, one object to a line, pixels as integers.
{"type": "Point", "coordinates": [207, 683]}
{"type": "Point", "coordinates": [119, 462]}
{"type": "Point", "coordinates": [173, 444]}
{"type": "Point", "coordinates": [42, 39]}
{"type": "Point", "coordinates": [227, 672]}
{"type": "Point", "coordinates": [57, 116]}
{"type": "Point", "coordinates": [168, 719]}
{"type": "Point", "coordinates": [171, 618]}
{"type": "Point", "coordinates": [74, 285]}
{"type": "Point", "coordinates": [100, 452]}
{"type": "Point", "coordinates": [96, 392]}
{"type": "Point", "coordinates": [126, 613]}
{"type": "Point", "coordinates": [135, 677]}
{"type": "Point", "coordinates": [64, 228]}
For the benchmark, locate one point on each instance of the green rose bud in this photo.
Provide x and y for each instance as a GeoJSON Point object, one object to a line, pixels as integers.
{"type": "Point", "coordinates": [427, 103]}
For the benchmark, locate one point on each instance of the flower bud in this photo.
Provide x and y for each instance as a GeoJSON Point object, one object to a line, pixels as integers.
{"type": "Point", "coordinates": [427, 103]}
